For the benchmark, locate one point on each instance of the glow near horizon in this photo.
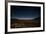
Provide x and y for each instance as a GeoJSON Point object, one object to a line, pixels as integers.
{"type": "Point", "coordinates": [23, 18]}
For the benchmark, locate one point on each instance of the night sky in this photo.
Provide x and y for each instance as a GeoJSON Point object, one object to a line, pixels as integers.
{"type": "Point", "coordinates": [25, 11]}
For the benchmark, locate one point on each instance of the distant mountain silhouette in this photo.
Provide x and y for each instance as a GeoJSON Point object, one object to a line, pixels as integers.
{"type": "Point", "coordinates": [36, 20]}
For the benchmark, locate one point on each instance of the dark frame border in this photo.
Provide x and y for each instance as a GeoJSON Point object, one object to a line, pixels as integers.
{"type": "Point", "coordinates": [6, 5]}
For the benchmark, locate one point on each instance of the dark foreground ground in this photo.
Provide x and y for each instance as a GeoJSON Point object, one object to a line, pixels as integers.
{"type": "Point", "coordinates": [25, 23]}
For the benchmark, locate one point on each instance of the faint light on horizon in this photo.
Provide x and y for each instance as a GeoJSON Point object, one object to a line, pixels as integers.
{"type": "Point", "coordinates": [23, 18]}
